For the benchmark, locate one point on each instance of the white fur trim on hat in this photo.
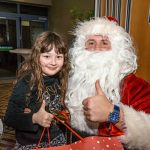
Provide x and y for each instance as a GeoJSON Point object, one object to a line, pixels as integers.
{"type": "Point", "coordinates": [98, 26]}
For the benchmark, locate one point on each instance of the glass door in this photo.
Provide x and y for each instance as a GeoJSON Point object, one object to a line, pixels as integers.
{"type": "Point", "coordinates": [30, 29]}
{"type": "Point", "coordinates": [8, 41]}
{"type": "Point", "coordinates": [19, 26]}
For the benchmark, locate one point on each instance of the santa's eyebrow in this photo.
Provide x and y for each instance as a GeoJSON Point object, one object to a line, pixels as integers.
{"type": "Point", "coordinates": [105, 40]}
{"type": "Point", "coordinates": [89, 40]}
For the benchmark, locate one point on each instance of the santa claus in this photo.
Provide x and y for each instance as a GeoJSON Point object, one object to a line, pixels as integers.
{"type": "Point", "coordinates": [104, 96]}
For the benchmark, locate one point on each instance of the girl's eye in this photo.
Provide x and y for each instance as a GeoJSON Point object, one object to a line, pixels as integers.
{"type": "Point", "coordinates": [59, 56]}
{"type": "Point", "coordinates": [47, 56]}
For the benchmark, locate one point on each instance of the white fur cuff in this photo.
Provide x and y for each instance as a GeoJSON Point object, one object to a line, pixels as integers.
{"type": "Point", "coordinates": [137, 134]}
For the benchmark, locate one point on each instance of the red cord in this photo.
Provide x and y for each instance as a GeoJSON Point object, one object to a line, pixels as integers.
{"type": "Point", "coordinates": [48, 136]}
{"type": "Point", "coordinates": [41, 137]}
{"type": "Point", "coordinates": [67, 126]}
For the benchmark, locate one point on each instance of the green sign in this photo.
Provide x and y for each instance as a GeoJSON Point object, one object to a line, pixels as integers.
{"type": "Point", "coordinates": [5, 48]}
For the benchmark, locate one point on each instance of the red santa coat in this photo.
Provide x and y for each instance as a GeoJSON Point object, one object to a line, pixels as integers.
{"type": "Point", "coordinates": [135, 93]}
{"type": "Point", "coordinates": [135, 99]}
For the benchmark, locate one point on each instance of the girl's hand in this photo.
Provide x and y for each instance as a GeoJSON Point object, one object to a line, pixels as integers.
{"type": "Point", "coordinates": [27, 110]}
{"type": "Point", "coordinates": [42, 117]}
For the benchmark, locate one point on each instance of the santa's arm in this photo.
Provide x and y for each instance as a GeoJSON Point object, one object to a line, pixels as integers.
{"type": "Point", "coordinates": [137, 128]}
{"type": "Point", "coordinates": [136, 113]}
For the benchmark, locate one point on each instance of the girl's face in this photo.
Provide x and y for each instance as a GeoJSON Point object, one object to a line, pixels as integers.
{"type": "Point", "coordinates": [51, 62]}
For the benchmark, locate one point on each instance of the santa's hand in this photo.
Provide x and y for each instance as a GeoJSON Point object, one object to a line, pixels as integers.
{"type": "Point", "coordinates": [97, 108]}
{"type": "Point", "coordinates": [42, 117]}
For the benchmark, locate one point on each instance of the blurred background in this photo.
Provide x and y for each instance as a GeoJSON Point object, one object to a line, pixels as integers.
{"type": "Point", "coordinates": [22, 20]}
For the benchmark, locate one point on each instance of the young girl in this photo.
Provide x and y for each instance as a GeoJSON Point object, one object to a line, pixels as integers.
{"type": "Point", "coordinates": [39, 91]}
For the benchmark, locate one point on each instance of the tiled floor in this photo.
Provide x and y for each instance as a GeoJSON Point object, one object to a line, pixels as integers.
{"type": "Point", "coordinates": [7, 139]}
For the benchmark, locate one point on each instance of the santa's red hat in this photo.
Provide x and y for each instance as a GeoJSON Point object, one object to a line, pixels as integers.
{"type": "Point", "coordinates": [110, 18]}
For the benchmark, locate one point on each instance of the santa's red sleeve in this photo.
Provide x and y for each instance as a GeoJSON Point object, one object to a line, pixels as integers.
{"type": "Point", "coordinates": [136, 93]}
{"type": "Point", "coordinates": [136, 106]}
{"type": "Point", "coordinates": [135, 101]}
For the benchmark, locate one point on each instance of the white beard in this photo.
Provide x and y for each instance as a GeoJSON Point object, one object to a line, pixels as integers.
{"type": "Point", "coordinates": [87, 67]}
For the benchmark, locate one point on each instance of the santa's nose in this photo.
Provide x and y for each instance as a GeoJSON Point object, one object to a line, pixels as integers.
{"type": "Point", "coordinates": [102, 46]}
{"type": "Point", "coordinates": [98, 46]}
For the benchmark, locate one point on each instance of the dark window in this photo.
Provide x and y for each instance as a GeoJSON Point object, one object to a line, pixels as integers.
{"type": "Point", "coordinates": [34, 10]}
{"type": "Point", "coordinates": [8, 7]}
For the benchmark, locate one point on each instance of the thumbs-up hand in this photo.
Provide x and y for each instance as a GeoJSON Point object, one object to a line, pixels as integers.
{"type": "Point", "coordinates": [42, 117]}
{"type": "Point", "coordinates": [98, 107]}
